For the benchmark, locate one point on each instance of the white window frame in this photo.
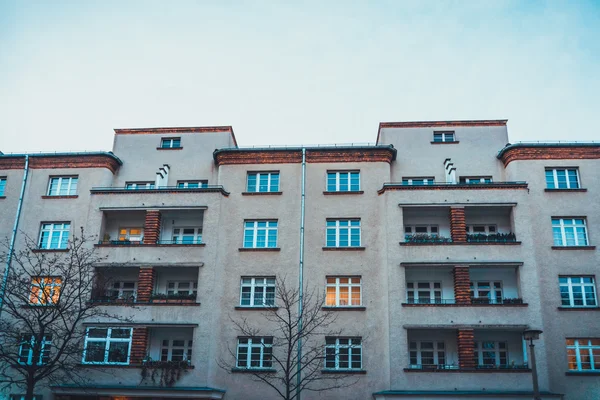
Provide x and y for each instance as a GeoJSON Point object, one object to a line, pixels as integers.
{"type": "Point", "coordinates": [108, 340]}
{"type": "Point", "coordinates": [121, 289]}
{"type": "Point", "coordinates": [141, 185]}
{"type": "Point", "coordinates": [70, 182]}
{"type": "Point", "coordinates": [2, 186]}
{"type": "Point", "coordinates": [338, 175]}
{"type": "Point", "coordinates": [488, 229]}
{"type": "Point", "coordinates": [569, 284]}
{"type": "Point", "coordinates": [437, 348]}
{"type": "Point", "coordinates": [473, 180]}
{"type": "Point", "coordinates": [264, 282]}
{"type": "Point", "coordinates": [568, 181]}
{"type": "Point", "coordinates": [492, 289]}
{"type": "Point", "coordinates": [192, 289]}
{"type": "Point", "coordinates": [584, 345]}
{"type": "Point", "coordinates": [270, 227]}
{"type": "Point", "coordinates": [171, 142]}
{"type": "Point", "coordinates": [255, 343]}
{"type": "Point", "coordinates": [45, 349]}
{"type": "Point", "coordinates": [353, 285]}
{"type": "Point", "coordinates": [427, 180]}
{"type": "Point", "coordinates": [569, 223]}
{"type": "Point", "coordinates": [447, 136]}
{"type": "Point", "coordinates": [479, 350]}
{"type": "Point", "coordinates": [186, 184]}
{"type": "Point", "coordinates": [22, 397]}
{"type": "Point", "coordinates": [197, 235]}
{"type": "Point", "coordinates": [415, 289]}
{"type": "Point", "coordinates": [271, 187]}
{"type": "Point", "coordinates": [339, 227]}
{"type": "Point", "coordinates": [49, 227]}
{"type": "Point", "coordinates": [354, 348]}
{"type": "Point", "coordinates": [187, 348]}
{"type": "Point", "coordinates": [46, 291]}
{"type": "Point", "coordinates": [432, 230]}
{"type": "Point", "coordinates": [128, 236]}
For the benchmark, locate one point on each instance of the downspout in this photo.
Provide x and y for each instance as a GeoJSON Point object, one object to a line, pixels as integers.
{"type": "Point", "coordinates": [13, 237]}
{"type": "Point", "coordinates": [301, 276]}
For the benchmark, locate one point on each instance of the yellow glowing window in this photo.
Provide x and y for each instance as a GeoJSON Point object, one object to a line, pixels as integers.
{"type": "Point", "coordinates": [343, 292]}
{"type": "Point", "coordinates": [45, 290]}
{"type": "Point", "coordinates": [131, 234]}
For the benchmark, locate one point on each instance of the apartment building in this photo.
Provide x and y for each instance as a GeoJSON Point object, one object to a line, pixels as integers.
{"type": "Point", "coordinates": [438, 246]}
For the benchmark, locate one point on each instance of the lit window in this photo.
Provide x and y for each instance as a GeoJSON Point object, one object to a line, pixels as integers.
{"type": "Point", "coordinates": [187, 235]}
{"type": "Point", "coordinates": [439, 137]}
{"type": "Point", "coordinates": [107, 346]}
{"type": "Point", "coordinates": [131, 234]}
{"type": "Point", "coordinates": [423, 292]}
{"type": "Point", "coordinates": [257, 292]}
{"type": "Point", "coordinates": [417, 181]}
{"type": "Point", "coordinates": [123, 290]}
{"type": "Point", "coordinates": [562, 178]}
{"type": "Point", "coordinates": [343, 233]}
{"type": "Point", "coordinates": [182, 287]}
{"type": "Point", "coordinates": [170, 143]}
{"type": "Point", "coordinates": [487, 291]}
{"type": "Point", "coordinates": [577, 291]}
{"type": "Point", "coordinates": [342, 181]}
{"type": "Point", "coordinates": [45, 290]}
{"type": "Point", "coordinates": [569, 232]}
{"type": "Point", "coordinates": [260, 234]}
{"type": "Point", "coordinates": [583, 354]}
{"type": "Point", "coordinates": [255, 352]}
{"type": "Point", "coordinates": [474, 180]}
{"type": "Point", "coordinates": [139, 185]}
{"type": "Point", "coordinates": [343, 353]}
{"type": "Point", "coordinates": [262, 182]}
{"type": "Point", "coordinates": [26, 349]}
{"type": "Point", "coordinates": [491, 354]}
{"type": "Point", "coordinates": [54, 236]}
{"type": "Point", "coordinates": [62, 186]}
{"type": "Point", "coordinates": [427, 354]}
{"type": "Point", "coordinates": [176, 350]}
{"type": "Point", "coordinates": [343, 291]}
{"type": "Point", "coordinates": [2, 186]}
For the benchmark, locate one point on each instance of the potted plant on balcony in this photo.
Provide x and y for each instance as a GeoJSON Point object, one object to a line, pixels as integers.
{"type": "Point", "coordinates": [165, 373]}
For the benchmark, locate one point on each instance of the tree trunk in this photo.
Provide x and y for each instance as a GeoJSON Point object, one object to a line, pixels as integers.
{"type": "Point", "coordinates": [30, 388]}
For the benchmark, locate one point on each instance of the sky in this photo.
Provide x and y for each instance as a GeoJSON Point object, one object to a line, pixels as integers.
{"type": "Point", "coordinates": [294, 72]}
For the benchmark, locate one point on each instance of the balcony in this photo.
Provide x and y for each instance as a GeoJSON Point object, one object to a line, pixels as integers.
{"type": "Point", "coordinates": [169, 345]}
{"type": "Point", "coordinates": [453, 186]}
{"type": "Point", "coordinates": [160, 189]}
{"type": "Point", "coordinates": [426, 225]}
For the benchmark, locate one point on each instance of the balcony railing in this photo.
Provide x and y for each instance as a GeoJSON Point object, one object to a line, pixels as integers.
{"type": "Point", "coordinates": [491, 238]}
{"type": "Point", "coordinates": [121, 242]}
{"type": "Point", "coordinates": [112, 299]}
{"type": "Point", "coordinates": [173, 298]}
{"type": "Point", "coordinates": [502, 367]}
{"type": "Point", "coordinates": [487, 300]}
{"type": "Point", "coordinates": [160, 189]}
{"type": "Point", "coordinates": [432, 366]}
{"type": "Point", "coordinates": [181, 241]}
{"type": "Point", "coordinates": [425, 238]}
{"type": "Point", "coordinates": [430, 301]}
{"type": "Point", "coordinates": [443, 367]}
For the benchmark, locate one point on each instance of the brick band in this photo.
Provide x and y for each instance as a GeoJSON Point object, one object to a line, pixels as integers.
{"type": "Point", "coordinates": [458, 226]}
{"type": "Point", "coordinates": [466, 348]}
{"type": "Point", "coordinates": [152, 227]}
{"type": "Point", "coordinates": [462, 285]}
{"type": "Point", "coordinates": [146, 278]}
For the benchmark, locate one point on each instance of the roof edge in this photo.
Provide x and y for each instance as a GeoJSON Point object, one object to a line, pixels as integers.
{"type": "Point", "coordinates": [179, 129]}
{"type": "Point", "coordinates": [441, 124]}
{"type": "Point", "coordinates": [510, 146]}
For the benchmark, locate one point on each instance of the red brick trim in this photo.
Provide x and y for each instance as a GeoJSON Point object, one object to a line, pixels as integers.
{"type": "Point", "coordinates": [145, 288]}
{"type": "Point", "coordinates": [139, 345]}
{"type": "Point", "coordinates": [146, 131]}
{"type": "Point", "coordinates": [458, 226]}
{"type": "Point", "coordinates": [436, 124]}
{"type": "Point", "coordinates": [573, 247]}
{"type": "Point", "coordinates": [358, 155]}
{"type": "Point", "coordinates": [152, 226]}
{"type": "Point", "coordinates": [60, 197]}
{"type": "Point", "coordinates": [62, 161]}
{"type": "Point", "coordinates": [462, 285]}
{"type": "Point", "coordinates": [466, 348]}
{"type": "Point", "coordinates": [487, 186]}
{"type": "Point", "coordinates": [294, 156]}
{"type": "Point", "coordinates": [550, 153]}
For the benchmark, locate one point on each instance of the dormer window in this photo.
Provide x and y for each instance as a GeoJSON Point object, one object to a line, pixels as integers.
{"type": "Point", "coordinates": [170, 143]}
{"type": "Point", "coordinates": [444, 137]}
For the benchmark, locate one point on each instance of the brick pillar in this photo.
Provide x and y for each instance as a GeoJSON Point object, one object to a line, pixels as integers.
{"type": "Point", "coordinates": [139, 345]}
{"type": "Point", "coordinates": [466, 348]}
{"type": "Point", "coordinates": [145, 284]}
{"type": "Point", "coordinates": [152, 227]}
{"type": "Point", "coordinates": [458, 227]}
{"type": "Point", "coordinates": [462, 284]}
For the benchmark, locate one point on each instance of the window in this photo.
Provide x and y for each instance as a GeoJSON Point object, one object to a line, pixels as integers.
{"type": "Point", "coordinates": [583, 354]}
{"type": "Point", "coordinates": [491, 354]}
{"type": "Point", "coordinates": [439, 137]}
{"type": "Point", "coordinates": [123, 290]}
{"type": "Point", "coordinates": [187, 235]}
{"type": "Point", "coordinates": [176, 350]}
{"type": "Point", "coordinates": [131, 234]}
{"type": "Point", "coordinates": [569, 232]}
{"type": "Point", "coordinates": [343, 233]}
{"type": "Point", "coordinates": [427, 354]}
{"type": "Point", "coordinates": [62, 186]}
{"type": "Point", "coordinates": [45, 290]}
{"type": "Point", "coordinates": [170, 143]}
{"type": "Point", "coordinates": [107, 346]}
{"type": "Point", "coordinates": [417, 181]}
{"type": "Point", "coordinates": [260, 234]}
{"type": "Point", "coordinates": [257, 292]}
{"type": "Point", "coordinates": [22, 397]}
{"type": "Point", "coordinates": [489, 290]}
{"type": "Point", "coordinates": [139, 185]}
{"type": "Point", "coordinates": [262, 182]}
{"type": "Point", "coordinates": [182, 287]}
{"type": "Point", "coordinates": [343, 181]}
{"type": "Point", "coordinates": [26, 350]}
{"type": "Point", "coordinates": [481, 229]}
{"type": "Point", "coordinates": [54, 235]}
{"type": "Point", "coordinates": [410, 230]}
{"type": "Point", "coordinates": [255, 352]}
{"type": "Point", "coordinates": [2, 186]}
{"type": "Point", "coordinates": [562, 178]}
{"type": "Point", "coordinates": [473, 180]}
{"type": "Point", "coordinates": [191, 184]}
{"type": "Point", "coordinates": [424, 292]}
{"type": "Point", "coordinates": [343, 353]}
{"type": "Point", "coordinates": [343, 292]}
{"type": "Point", "coordinates": [577, 291]}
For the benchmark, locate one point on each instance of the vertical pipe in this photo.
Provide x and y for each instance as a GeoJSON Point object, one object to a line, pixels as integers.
{"type": "Point", "coordinates": [11, 247]}
{"type": "Point", "coordinates": [534, 377]}
{"type": "Point", "coordinates": [301, 276]}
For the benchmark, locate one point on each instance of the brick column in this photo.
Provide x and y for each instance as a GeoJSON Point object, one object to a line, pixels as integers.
{"type": "Point", "coordinates": [139, 345]}
{"type": "Point", "coordinates": [462, 284]}
{"type": "Point", "coordinates": [152, 227]}
{"type": "Point", "coordinates": [466, 348]}
{"type": "Point", "coordinates": [458, 227]}
{"type": "Point", "coordinates": [145, 284]}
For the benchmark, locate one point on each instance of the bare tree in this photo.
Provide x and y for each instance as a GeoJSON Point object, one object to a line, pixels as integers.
{"type": "Point", "coordinates": [46, 299]}
{"type": "Point", "coordinates": [287, 327]}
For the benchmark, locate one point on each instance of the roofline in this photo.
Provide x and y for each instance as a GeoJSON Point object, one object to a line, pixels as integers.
{"type": "Point", "coordinates": [64, 154]}
{"type": "Point", "coordinates": [194, 129]}
{"type": "Point", "coordinates": [441, 124]}
{"type": "Point", "coordinates": [545, 145]}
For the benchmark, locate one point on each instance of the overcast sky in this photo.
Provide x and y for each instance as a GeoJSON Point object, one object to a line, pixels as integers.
{"type": "Point", "coordinates": [294, 72]}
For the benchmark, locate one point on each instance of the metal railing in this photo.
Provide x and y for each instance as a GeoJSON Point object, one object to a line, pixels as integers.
{"type": "Point", "coordinates": [438, 367]}
{"type": "Point", "coordinates": [181, 242]}
{"type": "Point", "coordinates": [121, 242]}
{"type": "Point", "coordinates": [470, 184]}
{"type": "Point", "coordinates": [433, 366]}
{"type": "Point", "coordinates": [487, 300]}
{"type": "Point", "coordinates": [122, 189]}
{"type": "Point", "coordinates": [425, 238]}
{"type": "Point", "coordinates": [491, 238]}
{"type": "Point", "coordinates": [430, 301]}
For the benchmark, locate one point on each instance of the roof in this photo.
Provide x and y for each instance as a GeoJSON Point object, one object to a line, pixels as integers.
{"type": "Point", "coordinates": [553, 145]}
{"type": "Point", "coordinates": [441, 124]}
{"type": "Point", "coordinates": [179, 130]}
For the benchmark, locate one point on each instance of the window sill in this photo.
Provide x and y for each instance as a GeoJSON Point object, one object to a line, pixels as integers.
{"type": "Point", "coordinates": [330, 193]}
{"type": "Point", "coordinates": [259, 249]}
{"type": "Point", "coordinates": [357, 248]}
{"type": "Point", "coordinates": [573, 247]}
{"type": "Point", "coordinates": [578, 308]}
{"type": "Point", "coordinates": [74, 196]}
{"type": "Point", "coordinates": [344, 308]}
{"type": "Point", "coordinates": [169, 148]}
{"type": "Point", "coordinates": [455, 142]}
{"type": "Point", "coordinates": [582, 373]}
{"type": "Point", "coordinates": [49, 250]}
{"type": "Point", "coordinates": [128, 246]}
{"type": "Point", "coordinates": [471, 370]}
{"type": "Point", "coordinates": [2, 197]}
{"type": "Point", "coordinates": [252, 370]}
{"type": "Point", "coordinates": [250, 308]}
{"type": "Point", "coordinates": [460, 244]}
{"type": "Point", "coordinates": [99, 365]}
{"type": "Point", "coordinates": [464, 305]}
{"type": "Point", "coordinates": [261, 193]}
{"type": "Point", "coordinates": [566, 190]}
{"type": "Point", "coordinates": [344, 371]}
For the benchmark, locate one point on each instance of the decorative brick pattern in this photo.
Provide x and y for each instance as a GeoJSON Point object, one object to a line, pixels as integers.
{"type": "Point", "coordinates": [458, 226]}
{"type": "Point", "coordinates": [294, 156]}
{"type": "Point", "coordinates": [462, 285]}
{"type": "Point", "coordinates": [437, 124]}
{"type": "Point", "coordinates": [549, 153]}
{"type": "Point", "coordinates": [145, 287]}
{"type": "Point", "coordinates": [62, 161]}
{"type": "Point", "coordinates": [487, 186]}
{"type": "Point", "coordinates": [139, 345]}
{"type": "Point", "coordinates": [152, 226]}
{"type": "Point", "coordinates": [466, 348]}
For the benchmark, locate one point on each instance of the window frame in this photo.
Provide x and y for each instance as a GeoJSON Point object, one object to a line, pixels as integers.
{"type": "Point", "coordinates": [3, 181]}
{"type": "Point", "coordinates": [185, 184]}
{"type": "Point", "coordinates": [475, 180]}
{"type": "Point", "coordinates": [121, 290]}
{"type": "Point", "coordinates": [562, 226]}
{"type": "Point", "coordinates": [337, 229]}
{"type": "Point", "coordinates": [418, 350]}
{"type": "Point", "coordinates": [475, 289]}
{"type": "Point", "coordinates": [197, 236]}
{"type": "Point", "coordinates": [444, 136]}
{"type": "Point", "coordinates": [479, 350]}
{"type": "Point", "coordinates": [128, 236]}
{"type": "Point", "coordinates": [192, 289]}
{"type": "Point", "coordinates": [428, 227]}
{"type": "Point", "coordinates": [63, 242]}
{"type": "Point", "coordinates": [46, 293]}
{"type": "Point", "coordinates": [187, 348]}
{"type": "Point", "coordinates": [427, 180]}
{"type": "Point", "coordinates": [577, 347]}
{"type": "Point", "coordinates": [432, 289]}
{"type": "Point", "coordinates": [265, 349]}
{"type": "Point", "coordinates": [555, 181]}
{"type": "Point", "coordinates": [135, 185]}
{"type": "Point", "coordinates": [351, 287]}
{"type": "Point", "coordinates": [336, 346]}
{"type": "Point", "coordinates": [108, 339]}
{"type": "Point", "coordinates": [271, 187]}
{"type": "Point", "coordinates": [267, 283]}
{"type": "Point", "coordinates": [271, 225]}
{"type": "Point", "coordinates": [45, 349]}
{"type": "Point", "coordinates": [571, 295]}
{"type": "Point", "coordinates": [171, 141]}
{"type": "Point", "coordinates": [73, 183]}
{"type": "Point", "coordinates": [486, 229]}
{"type": "Point", "coordinates": [337, 176]}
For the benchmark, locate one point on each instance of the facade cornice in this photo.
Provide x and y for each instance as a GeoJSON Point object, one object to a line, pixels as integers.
{"type": "Point", "coordinates": [62, 160]}
{"type": "Point", "coordinates": [177, 130]}
{"type": "Point", "coordinates": [441, 124]}
{"type": "Point", "coordinates": [549, 151]}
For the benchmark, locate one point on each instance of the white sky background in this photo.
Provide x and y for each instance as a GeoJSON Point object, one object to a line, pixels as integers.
{"type": "Point", "coordinates": [294, 72]}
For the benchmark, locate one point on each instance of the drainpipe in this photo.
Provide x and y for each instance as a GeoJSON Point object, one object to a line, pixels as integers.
{"type": "Point", "coordinates": [301, 276]}
{"type": "Point", "coordinates": [14, 234]}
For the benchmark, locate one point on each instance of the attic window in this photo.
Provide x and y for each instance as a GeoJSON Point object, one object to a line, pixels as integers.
{"type": "Point", "coordinates": [444, 137]}
{"type": "Point", "coordinates": [170, 143]}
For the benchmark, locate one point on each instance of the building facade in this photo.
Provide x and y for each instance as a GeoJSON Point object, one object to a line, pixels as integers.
{"type": "Point", "coordinates": [437, 247]}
